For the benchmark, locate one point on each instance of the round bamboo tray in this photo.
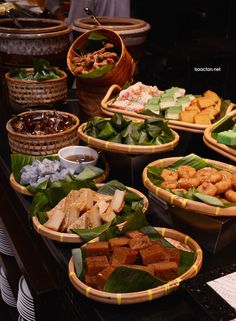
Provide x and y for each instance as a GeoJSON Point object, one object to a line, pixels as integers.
{"type": "Point", "coordinates": [23, 190]}
{"type": "Point", "coordinates": [126, 149]}
{"type": "Point", "coordinates": [186, 204]}
{"type": "Point", "coordinates": [212, 143]}
{"type": "Point", "coordinates": [148, 295]}
{"type": "Point", "coordinates": [107, 109]}
{"type": "Point", "coordinates": [71, 237]}
{"type": "Point", "coordinates": [42, 144]}
{"type": "Point", "coordinates": [31, 93]}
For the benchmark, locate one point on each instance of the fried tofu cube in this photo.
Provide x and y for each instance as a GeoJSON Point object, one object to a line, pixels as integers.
{"type": "Point", "coordinates": [102, 277]}
{"type": "Point", "coordinates": [172, 254]}
{"type": "Point", "coordinates": [166, 270]}
{"type": "Point", "coordinates": [187, 116]}
{"type": "Point", "coordinates": [123, 255]}
{"type": "Point", "coordinates": [204, 119]}
{"type": "Point", "coordinates": [97, 248]}
{"type": "Point", "coordinates": [118, 242]}
{"type": "Point", "coordinates": [139, 243]}
{"type": "Point", "coordinates": [152, 254]}
{"type": "Point", "coordinates": [95, 264]}
{"type": "Point", "coordinates": [210, 110]}
{"type": "Point", "coordinates": [134, 234]}
{"type": "Point", "coordinates": [91, 280]}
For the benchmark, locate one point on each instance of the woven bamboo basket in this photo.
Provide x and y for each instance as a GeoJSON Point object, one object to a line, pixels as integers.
{"type": "Point", "coordinates": [212, 143]}
{"type": "Point", "coordinates": [72, 237]}
{"type": "Point", "coordinates": [42, 144]}
{"type": "Point", "coordinates": [147, 295]}
{"type": "Point", "coordinates": [107, 109]}
{"type": "Point", "coordinates": [23, 190]}
{"type": "Point", "coordinates": [186, 204]}
{"type": "Point", "coordinates": [90, 91]}
{"type": "Point", "coordinates": [30, 93]}
{"type": "Point", "coordinates": [126, 149]}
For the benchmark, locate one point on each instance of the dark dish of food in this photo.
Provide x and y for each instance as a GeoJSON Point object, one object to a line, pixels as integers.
{"type": "Point", "coordinates": [42, 123]}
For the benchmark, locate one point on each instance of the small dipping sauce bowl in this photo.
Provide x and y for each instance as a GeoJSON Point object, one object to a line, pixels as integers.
{"type": "Point", "coordinates": [77, 157]}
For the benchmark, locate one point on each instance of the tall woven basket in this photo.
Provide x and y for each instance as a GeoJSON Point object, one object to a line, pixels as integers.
{"type": "Point", "coordinates": [31, 93]}
{"type": "Point", "coordinates": [91, 90]}
{"type": "Point", "coordinates": [42, 144]}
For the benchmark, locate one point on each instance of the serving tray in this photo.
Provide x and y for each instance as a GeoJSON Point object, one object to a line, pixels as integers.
{"type": "Point", "coordinates": [124, 148]}
{"type": "Point", "coordinates": [72, 237]}
{"type": "Point", "coordinates": [147, 295]}
{"type": "Point", "coordinates": [107, 109]}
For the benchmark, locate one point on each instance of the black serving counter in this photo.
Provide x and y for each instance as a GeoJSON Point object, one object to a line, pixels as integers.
{"type": "Point", "coordinates": [44, 262]}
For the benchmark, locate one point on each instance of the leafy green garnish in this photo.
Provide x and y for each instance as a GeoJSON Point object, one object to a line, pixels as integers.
{"type": "Point", "coordinates": [42, 70]}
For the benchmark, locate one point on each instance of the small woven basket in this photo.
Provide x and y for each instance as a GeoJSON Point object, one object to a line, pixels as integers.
{"type": "Point", "coordinates": [42, 144]}
{"type": "Point", "coordinates": [187, 204]}
{"type": "Point", "coordinates": [32, 93]}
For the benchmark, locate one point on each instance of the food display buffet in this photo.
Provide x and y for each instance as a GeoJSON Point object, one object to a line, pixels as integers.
{"type": "Point", "coordinates": [123, 211]}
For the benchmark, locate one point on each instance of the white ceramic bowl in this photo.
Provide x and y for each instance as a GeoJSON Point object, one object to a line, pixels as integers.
{"type": "Point", "coordinates": [70, 155]}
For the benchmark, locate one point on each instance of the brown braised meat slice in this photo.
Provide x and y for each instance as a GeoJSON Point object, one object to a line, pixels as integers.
{"type": "Point", "coordinates": [123, 255]}
{"type": "Point", "coordinates": [133, 234]}
{"type": "Point", "coordinates": [95, 264]}
{"type": "Point", "coordinates": [153, 253]}
{"type": "Point", "coordinates": [97, 249]}
{"type": "Point", "coordinates": [118, 242]}
{"type": "Point", "coordinates": [166, 270]}
{"type": "Point", "coordinates": [172, 254]}
{"type": "Point", "coordinates": [91, 280]}
{"type": "Point", "coordinates": [139, 243]}
{"type": "Point", "coordinates": [102, 276]}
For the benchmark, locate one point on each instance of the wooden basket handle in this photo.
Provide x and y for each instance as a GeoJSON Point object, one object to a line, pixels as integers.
{"type": "Point", "coordinates": [110, 91]}
{"type": "Point", "coordinates": [230, 108]}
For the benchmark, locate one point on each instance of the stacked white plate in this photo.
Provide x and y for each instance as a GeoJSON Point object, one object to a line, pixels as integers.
{"type": "Point", "coordinates": [25, 302]}
{"type": "Point", "coordinates": [6, 291]}
{"type": "Point", "coordinates": [5, 247]}
{"type": "Point", "coordinates": [20, 318]}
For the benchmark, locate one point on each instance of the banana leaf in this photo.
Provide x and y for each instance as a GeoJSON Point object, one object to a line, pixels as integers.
{"type": "Point", "coordinates": [110, 187]}
{"type": "Point", "coordinates": [89, 234]}
{"type": "Point", "coordinates": [116, 139]}
{"type": "Point", "coordinates": [130, 131]}
{"type": "Point", "coordinates": [97, 73]}
{"type": "Point", "coordinates": [126, 279]}
{"type": "Point", "coordinates": [119, 122]}
{"type": "Point", "coordinates": [107, 132]}
{"type": "Point", "coordinates": [208, 199]}
{"type": "Point", "coordinates": [89, 172]}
